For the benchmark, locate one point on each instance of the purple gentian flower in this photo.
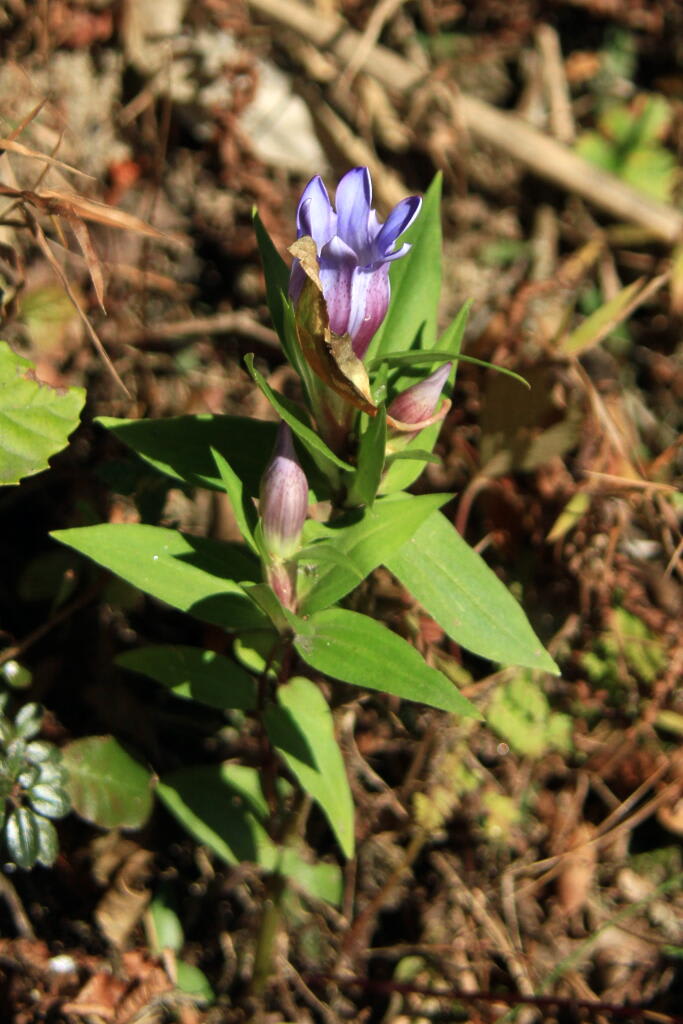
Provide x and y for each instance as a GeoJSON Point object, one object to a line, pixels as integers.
{"type": "Point", "coordinates": [354, 250]}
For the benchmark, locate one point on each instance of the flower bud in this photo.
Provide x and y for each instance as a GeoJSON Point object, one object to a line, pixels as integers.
{"type": "Point", "coordinates": [417, 404]}
{"type": "Point", "coordinates": [284, 498]}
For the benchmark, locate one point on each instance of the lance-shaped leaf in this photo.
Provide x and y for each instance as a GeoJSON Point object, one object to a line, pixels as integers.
{"type": "Point", "coordinates": [296, 420]}
{"type": "Point", "coordinates": [206, 801]}
{"type": "Point", "coordinates": [458, 589]}
{"type": "Point", "coordinates": [400, 473]}
{"type": "Point", "coordinates": [371, 455]}
{"type": "Point", "coordinates": [359, 650]}
{"type": "Point", "coordinates": [189, 573]}
{"type": "Point", "coordinates": [243, 508]}
{"type": "Point", "coordinates": [194, 674]}
{"type": "Point", "coordinates": [361, 546]}
{"type": "Point", "coordinates": [180, 446]}
{"type": "Point", "coordinates": [415, 284]}
{"type": "Point", "coordinates": [225, 810]}
{"type": "Point", "coordinates": [301, 729]}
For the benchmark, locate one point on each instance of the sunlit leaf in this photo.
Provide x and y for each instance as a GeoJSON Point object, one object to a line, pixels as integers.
{"type": "Point", "coordinates": [35, 419]}
{"type": "Point", "coordinates": [359, 650]}
{"type": "Point", "coordinates": [187, 572]}
{"type": "Point", "coordinates": [301, 729]}
{"type": "Point", "coordinates": [458, 589]}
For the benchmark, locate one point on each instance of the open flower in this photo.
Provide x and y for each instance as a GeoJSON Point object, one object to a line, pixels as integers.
{"type": "Point", "coordinates": [354, 252]}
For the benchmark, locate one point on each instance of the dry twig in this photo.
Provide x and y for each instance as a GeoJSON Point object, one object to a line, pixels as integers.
{"type": "Point", "coordinates": [538, 152]}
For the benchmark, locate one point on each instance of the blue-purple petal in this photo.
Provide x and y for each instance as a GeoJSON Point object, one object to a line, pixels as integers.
{"type": "Point", "coordinates": [398, 221]}
{"type": "Point", "coordinates": [314, 215]}
{"type": "Point", "coordinates": [353, 202]}
{"type": "Point", "coordinates": [337, 262]}
{"type": "Point", "coordinates": [370, 291]}
{"type": "Point", "coordinates": [354, 251]}
{"type": "Point", "coordinates": [391, 256]}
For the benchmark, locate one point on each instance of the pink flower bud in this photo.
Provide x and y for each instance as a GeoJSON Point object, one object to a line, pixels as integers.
{"type": "Point", "coordinates": [417, 404]}
{"type": "Point", "coordinates": [284, 498]}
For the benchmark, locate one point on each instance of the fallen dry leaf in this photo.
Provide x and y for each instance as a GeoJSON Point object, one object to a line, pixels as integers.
{"type": "Point", "coordinates": [125, 902]}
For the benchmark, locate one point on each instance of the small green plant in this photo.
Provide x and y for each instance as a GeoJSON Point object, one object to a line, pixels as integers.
{"type": "Point", "coordinates": [624, 654]}
{"type": "Point", "coordinates": [372, 374]}
{"type": "Point", "coordinates": [35, 423]}
{"type": "Point", "coordinates": [627, 141]}
{"type": "Point", "coordinates": [32, 789]}
{"type": "Point", "coordinates": [519, 712]}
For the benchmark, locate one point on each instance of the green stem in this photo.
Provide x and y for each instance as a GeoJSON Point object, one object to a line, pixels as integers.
{"type": "Point", "coordinates": [265, 943]}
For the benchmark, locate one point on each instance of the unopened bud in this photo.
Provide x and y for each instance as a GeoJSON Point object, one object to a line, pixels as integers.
{"type": "Point", "coordinates": [284, 498]}
{"type": "Point", "coordinates": [417, 404]}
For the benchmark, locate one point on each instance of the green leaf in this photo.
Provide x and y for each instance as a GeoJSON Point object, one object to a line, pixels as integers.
{"type": "Point", "coordinates": [180, 446]}
{"type": "Point", "coordinates": [106, 785]}
{"type": "Point", "coordinates": [653, 120]}
{"type": "Point", "coordinates": [302, 731]}
{"type": "Point", "coordinates": [452, 338]}
{"type": "Point", "coordinates": [242, 507]}
{"type": "Point", "coordinates": [441, 356]}
{"type": "Point", "coordinates": [28, 720]}
{"type": "Point", "coordinates": [415, 284]}
{"type": "Point", "coordinates": [414, 455]}
{"type": "Point", "coordinates": [50, 801]}
{"type": "Point", "coordinates": [193, 982]}
{"type": "Point", "coordinates": [189, 573]}
{"type": "Point", "coordinates": [359, 650]}
{"type": "Point", "coordinates": [22, 837]}
{"type": "Point", "coordinates": [403, 470]}
{"type": "Point", "coordinates": [458, 589]}
{"type": "Point", "coordinates": [295, 418]}
{"type": "Point", "coordinates": [17, 676]}
{"type": "Point", "coordinates": [194, 674]}
{"type": "Point", "coordinates": [35, 418]}
{"type": "Point", "coordinates": [166, 929]}
{"type": "Point", "coordinates": [400, 474]}
{"type": "Point", "coordinates": [322, 881]}
{"type": "Point", "coordinates": [371, 452]}
{"type": "Point", "coordinates": [364, 545]}
{"type": "Point", "coordinates": [653, 170]}
{"type": "Point", "coordinates": [206, 802]}
{"type": "Point", "coordinates": [276, 273]}
{"type": "Point", "coordinates": [598, 150]}
{"type": "Point", "coordinates": [520, 713]}
{"type": "Point", "coordinates": [246, 782]}
{"type": "Point", "coordinates": [48, 843]}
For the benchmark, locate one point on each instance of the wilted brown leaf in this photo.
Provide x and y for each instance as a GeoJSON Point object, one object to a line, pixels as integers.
{"type": "Point", "coordinates": [124, 903]}
{"type": "Point", "coordinates": [21, 150]}
{"type": "Point", "coordinates": [330, 355]}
